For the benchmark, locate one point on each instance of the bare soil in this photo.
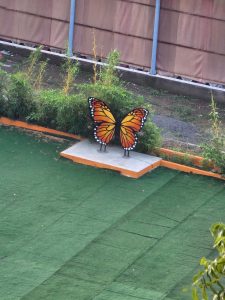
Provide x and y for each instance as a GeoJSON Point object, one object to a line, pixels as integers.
{"type": "Point", "coordinates": [184, 121]}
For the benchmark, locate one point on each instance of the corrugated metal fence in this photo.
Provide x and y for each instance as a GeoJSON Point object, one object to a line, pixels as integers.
{"type": "Point", "coordinates": [191, 33]}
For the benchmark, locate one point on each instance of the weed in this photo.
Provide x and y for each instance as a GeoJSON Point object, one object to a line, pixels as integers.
{"type": "Point", "coordinates": [184, 159]}
{"type": "Point", "coordinates": [32, 62]}
{"type": "Point", "coordinates": [72, 69]}
{"type": "Point", "coordinates": [209, 281]}
{"type": "Point", "coordinates": [155, 92]}
{"type": "Point", "coordinates": [181, 98]}
{"type": "Point", "coordinates": [184, 112]}
{"type": "Point", "coordinates": [40, 75]}
{"type": "Point", "coordinates": [95, 73]}
{"type": "Point", "coordinates": [214, 150]}
{"type": "Point", "coordinates": [109, 73]}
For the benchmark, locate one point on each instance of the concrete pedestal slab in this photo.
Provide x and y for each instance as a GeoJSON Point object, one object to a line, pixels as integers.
{"type": "Point", "coordinates": [136, 165]}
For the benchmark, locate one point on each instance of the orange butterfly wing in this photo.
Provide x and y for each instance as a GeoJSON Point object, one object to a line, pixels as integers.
{"type": "Point", "coordinates": [130, 126]}
{"type": "Point", "coordinates": [104, 121]}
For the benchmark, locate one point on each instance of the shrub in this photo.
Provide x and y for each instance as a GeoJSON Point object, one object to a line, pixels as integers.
{"type": "Point", "coordinates": [72, 115]}
{"type": "Point", "coordinates": [149, 137]}
{"type": "Point", "coordinates": [118, 98]}
{"type": "Point", "coordinates": [65, 112]}
{"type": "Point", "coordinates": [4, 83]}
{"type": "Point", "coordinates": [48, 102]}
{"type": "Point", "coordinates": [19, 102]}
{"type": "Point", "coordinates": [68, 111]}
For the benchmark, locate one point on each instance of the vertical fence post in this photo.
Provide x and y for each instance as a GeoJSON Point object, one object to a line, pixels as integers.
{"type": "Point", "coordinates": [155, 38]}
{"type": "Point", "coordinates": [71, 28]}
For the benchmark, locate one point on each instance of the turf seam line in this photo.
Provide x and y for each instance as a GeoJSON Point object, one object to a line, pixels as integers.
{"type": "Point", "coordinates": [165, 217]}
{"type": "Point", "coordinates": [164, 226]}
{"type": "Point", "coordinates": [89, 217]}
{"type": "Point", "coordinates": [135, 233]}
{"type": "Point", "coordinates": [123, 294]}
{"type": "Point", "coordinates": [109, 245]}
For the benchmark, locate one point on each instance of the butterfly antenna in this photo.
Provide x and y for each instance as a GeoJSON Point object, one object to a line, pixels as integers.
{"type": "Point", "coordinates": [128, 153]}
{"type": "Point", "coordinates": [100, 147]}
{"type": "Point", "coordinates": [105, 148]}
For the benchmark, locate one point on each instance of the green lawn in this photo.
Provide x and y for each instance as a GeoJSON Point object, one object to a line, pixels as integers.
{"type": "Point", "coordinates": [68, 231]}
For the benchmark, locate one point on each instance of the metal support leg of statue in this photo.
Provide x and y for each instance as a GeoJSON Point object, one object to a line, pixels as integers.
{"type": "Point", "coordinates": [101, 146]}
{"type": "Point", "coordinates": [126, 153]}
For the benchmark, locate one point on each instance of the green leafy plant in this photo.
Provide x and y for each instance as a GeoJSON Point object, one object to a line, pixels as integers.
{"type": "Point", "coordinates": [33, 60]}
{"type": "Point", "coordinates": [149, 137]}
{"type": "Point", "coordinates": [94, 50]}
{"type": "Point", "coordinates": [210, 281]}
{"type": "Point", "coordinates": [40, 74]}
{"type": "Point", "coordinates": [72, 115]}
{"type": "Point", "coordinates": [109, 75]}
{"type": "Point", "coordinates": [48, 102]}
{"type": "Point", "coordinates": [4, 83]}
{"type": "Point", "coordinates": [71, 69]}
{"type": "Point", "coordinates": [64, 112]}
{"type": "Point", "coordinates": [213, 151]}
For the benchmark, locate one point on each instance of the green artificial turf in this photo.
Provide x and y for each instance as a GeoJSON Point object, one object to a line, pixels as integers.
{"type": "Point", "coordinates": [69, 231]}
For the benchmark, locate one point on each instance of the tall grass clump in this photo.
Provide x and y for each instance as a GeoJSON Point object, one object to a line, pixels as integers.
{"type": "Point", "coordinates": [214, 150]}
{"type": "Point", "coordinates": [94, 49]}
{"type": "Point", "coordinates": [71, 69]}
{"type": "Point", "coordinates": [40, 74]}
{"type": "Point", "coordinates": [33, 61]}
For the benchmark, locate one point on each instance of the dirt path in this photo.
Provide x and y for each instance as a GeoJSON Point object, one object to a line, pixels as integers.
{"type": "Point", "coordinates": [183, 120]}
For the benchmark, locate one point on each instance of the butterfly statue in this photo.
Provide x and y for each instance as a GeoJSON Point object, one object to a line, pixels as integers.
{"type": "Point", "coordinates": [105, 125]}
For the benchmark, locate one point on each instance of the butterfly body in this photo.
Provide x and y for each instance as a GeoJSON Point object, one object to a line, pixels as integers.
{"type": "Point", "coordinates": [106, 126]}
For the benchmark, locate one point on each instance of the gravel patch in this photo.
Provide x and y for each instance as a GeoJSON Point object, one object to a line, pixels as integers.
{"type": "Point", "coordinates": [173, 128]}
